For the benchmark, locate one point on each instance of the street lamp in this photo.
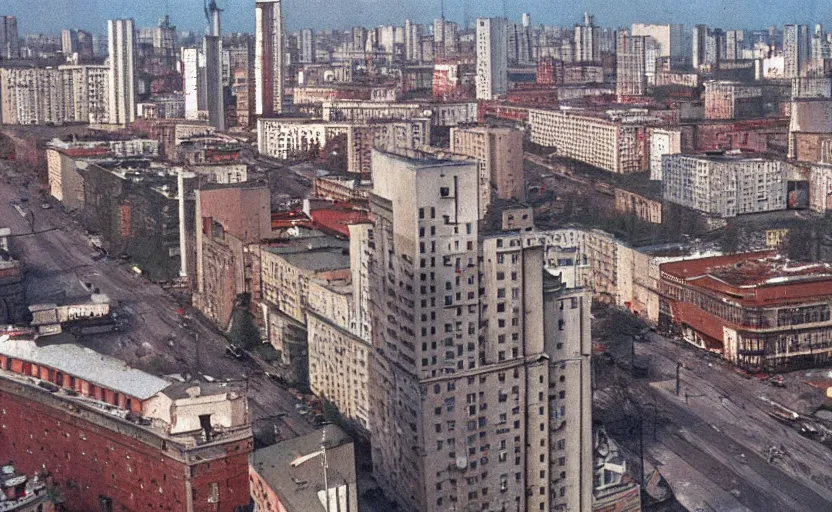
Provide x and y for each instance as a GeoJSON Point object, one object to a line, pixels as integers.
{"type": "Point", "coordinates": [320, 453]}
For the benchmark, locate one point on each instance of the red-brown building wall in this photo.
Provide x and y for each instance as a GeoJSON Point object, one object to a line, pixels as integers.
{"type": "Point", "coordinates": [88, 460]}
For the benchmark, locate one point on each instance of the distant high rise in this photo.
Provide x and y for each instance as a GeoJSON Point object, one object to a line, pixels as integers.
{"type": "Point", "coordinates": [306, 41]}
{"type": "Point", "coordinates": [9, 42]}
{"type": "Point", "coordinates": [519, 44]}
{"type": "Point", "coordinates": [439, 38]}
{"type": "Point", "coordinates": [700, 42]}
{"type": "Point", "coordinates": [212, 48]}
{"type": "Point", "coordinates": [269, 57]}
{"type": "Point", "coordinates": [121, 36]}
{"type": "Point", "coordinates": [69, 41]}
{"type": "Point", "coordinates": [193, 82]}
{"type": "Point", "coordinates": [492, 58]}
{"type": "Point", "coordinates": [733, 44]}
{"type": "Point", "coordinates": [413, 34]}
{"type": "Point", "coordinates": [631, 65]}
{"type": "Point", "coordinates": [796, 50]}
{"type": "Point", "coordinates": [670, 38]}
{"type": "Point", "coordinates": [820, 48]}
{"type": "Point", "coordinates": [586, 40]}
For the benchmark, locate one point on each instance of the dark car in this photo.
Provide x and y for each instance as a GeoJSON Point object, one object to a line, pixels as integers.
{"type": "Point", "coordinates": [234, 351]}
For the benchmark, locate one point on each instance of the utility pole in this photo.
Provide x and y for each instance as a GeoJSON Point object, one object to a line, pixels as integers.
{"type": "Point", "coordinates": [641, 443]}
{"type": "Point", "coordinates": [325, 466]}
{"type": "Point", "coordinates": [196, 346]}
{"type": "Point", "coordinates": [678, 383]}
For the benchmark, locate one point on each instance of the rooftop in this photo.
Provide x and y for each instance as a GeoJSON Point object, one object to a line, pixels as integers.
{"type": "Point", "coordinates": [88, 365]}
{"type": "Point", "coordinates": [297, 487]}
{"type": "Point", "coordinates": [756, 278]}
{"type": "Point", "coordinates": [318, 254]}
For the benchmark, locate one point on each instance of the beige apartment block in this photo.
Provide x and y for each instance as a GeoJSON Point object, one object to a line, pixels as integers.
{"type": "Point", "coordinates": [479, 379]}
{"type": "Point", "coordinates": [294, 138]}
{"type": "Point", "coordinates": [615, 146]}
{"type": "Point", "coordinates": [501, 152]}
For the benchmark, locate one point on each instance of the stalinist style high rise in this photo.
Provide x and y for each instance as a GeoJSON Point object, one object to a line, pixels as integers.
{"type": "Point", "coordinates": [479, 380]}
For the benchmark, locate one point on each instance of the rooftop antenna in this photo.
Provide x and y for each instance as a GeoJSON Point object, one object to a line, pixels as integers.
{"type": "Point", "coordinates": [465, 14]}
{"type": "Point", "coordinates": [504, 9]}
{"type": "Point", "coordinates": [442, 8]}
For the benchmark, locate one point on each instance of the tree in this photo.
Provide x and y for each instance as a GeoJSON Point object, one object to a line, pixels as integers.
{"type": "Point", "coordinates": [729, 240]}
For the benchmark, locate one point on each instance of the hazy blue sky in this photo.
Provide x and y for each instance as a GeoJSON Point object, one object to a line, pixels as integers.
{"type": "Point", "coordinates": [53, 15]}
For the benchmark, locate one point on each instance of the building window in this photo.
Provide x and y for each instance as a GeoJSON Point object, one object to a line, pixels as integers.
{"type": "Point", "coordinates": [444, 191]}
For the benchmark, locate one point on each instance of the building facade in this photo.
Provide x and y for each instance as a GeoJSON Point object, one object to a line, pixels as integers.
{"type": "Point", "coordinates": [631, 65]}
{"type": "Point", "coordinates": [167, 446]}
{"type": "Point", "coordinates": [615, 146]}
{"type": "Point", "coordinates": [662, 142]}
{"type": "Point", "coordinates": [492, 58]}
{"type": "Point", "coordinates": [796, 50]}
{"type": "Point", "coordinates": [724, 186]}
{"type": "Point", "coordinates": [732, 100]}
{"type": "Point", "coordinates": [269, 57]}
{"type": "Point", "coordinates": [468, 413]}
{"type": "Point", "coordinates": [500, 151]}
{"type": "Point", "coordinates": [121, 36]}
{"type": "Point", "coordinates": [761, 312]}
{"type": "Point", "coordinates": [586, 40]}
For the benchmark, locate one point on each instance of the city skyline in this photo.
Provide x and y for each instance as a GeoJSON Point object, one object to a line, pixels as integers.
{"type": "Point", "coordinates": [50, 16]}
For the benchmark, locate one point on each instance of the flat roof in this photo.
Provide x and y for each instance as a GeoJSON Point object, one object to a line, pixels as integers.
{"type": "Point", "coordinates": [298, 486]}
{"type": "Point", "coordinates": [318, 254]}
{"type": "Point", "coordinates": [755, 278]}
{"type": "Point", "coordinates": [87, 364]}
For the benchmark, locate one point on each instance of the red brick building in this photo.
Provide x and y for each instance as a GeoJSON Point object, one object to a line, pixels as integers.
{"type": "Point", "coordinates": [758, 310]}
{"type": "Point", "coordinates": [110, 441]}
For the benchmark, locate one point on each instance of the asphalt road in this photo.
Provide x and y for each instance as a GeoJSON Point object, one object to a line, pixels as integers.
{"type": "Point", "coordinates": [58, 261]}
{"type": "Point", "coordinates": [712, 441]}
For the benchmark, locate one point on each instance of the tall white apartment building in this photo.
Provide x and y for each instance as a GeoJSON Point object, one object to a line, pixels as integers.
{"type": "Point", "coordinates": [670, 38]}
{"type": "Point", "coordinates": [700, 46]}
{"type": "Point", "coordinates": [413, 33]}
{"type": "Point", "coordinates": [193, 83]}
{"type": "Point", "coordinates": [724, 186]}
{"type": "Point", "coordinates": [9, 42]}
{"type": "Point", "coordinates": [631, 65]}
{"type": "Point", "coordinates": [734, 40]}
{"type": "Point", "coordinates": [86, 93]}
{"type": "Point", "coordinates": [121, 36]}
{"type": "Point", "coordinates": [269, 57]}
{"type": "Point", "coordinates": [65, 94]}
{"type": "Point", "coordinates": [586, 40]}
{"type": "Point", "coordinates": [492, 58]}
{"type": "Point", "coordinates": [796, 50]}
{"type": "Point", "coordinates": [32, 96]}
{"type": "Point", "coordinates": [479, 380]}
{"type": "Point", "coordinates": [306, 42]}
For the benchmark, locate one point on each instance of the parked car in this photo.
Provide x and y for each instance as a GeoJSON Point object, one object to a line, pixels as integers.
{"type": "Point", "coordinates": [234, 351]}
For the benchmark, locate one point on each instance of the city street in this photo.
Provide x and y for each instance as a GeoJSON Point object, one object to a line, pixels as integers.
{"type": "Point", "coordinates": [58, 262]}
{"type": "Point", "coordinates": [714, 441]}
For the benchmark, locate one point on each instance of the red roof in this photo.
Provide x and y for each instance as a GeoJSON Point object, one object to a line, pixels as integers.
{"type": "Point", "coordinates": [336, 221]}
{"type": "Point", "coordinates": [757, 278]}
{"type": "Point", "coordinates": [291, 218]}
